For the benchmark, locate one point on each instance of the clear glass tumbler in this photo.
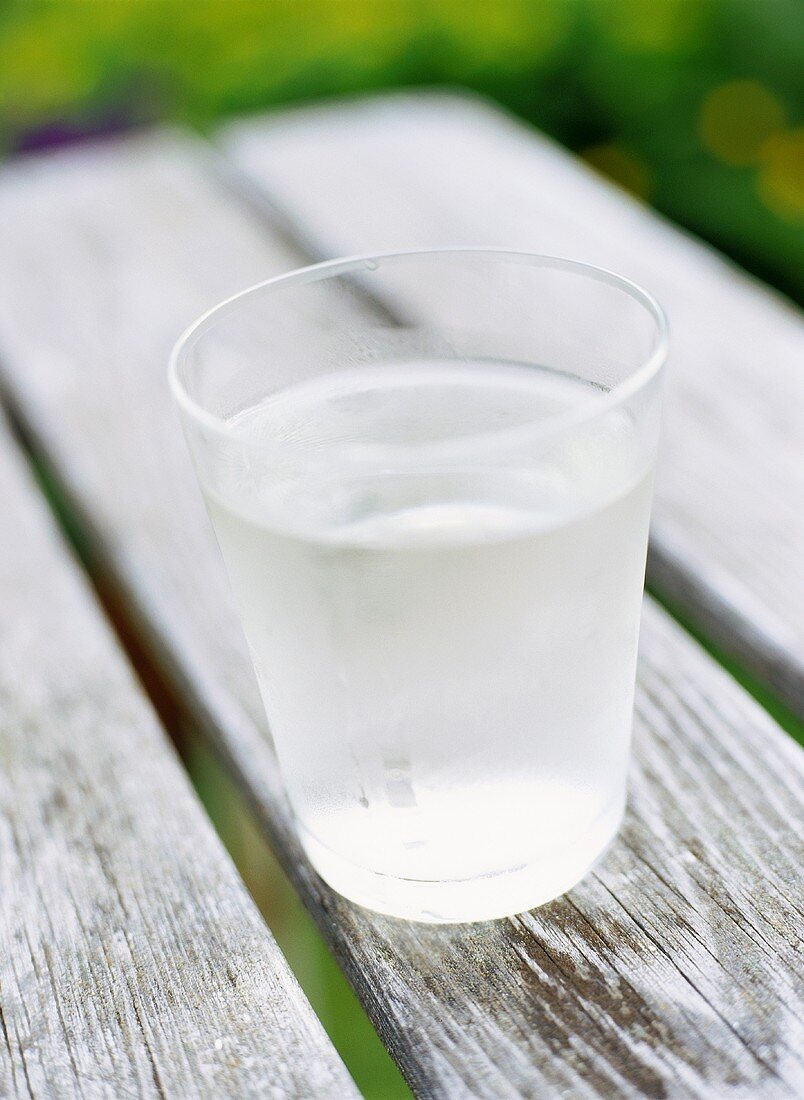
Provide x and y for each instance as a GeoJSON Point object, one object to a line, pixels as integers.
{"type": "Point", "coordinates": [430, 477]}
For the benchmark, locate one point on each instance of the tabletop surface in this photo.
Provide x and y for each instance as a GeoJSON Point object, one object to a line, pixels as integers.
{"type": "Point", "coordinates": [672, 969]}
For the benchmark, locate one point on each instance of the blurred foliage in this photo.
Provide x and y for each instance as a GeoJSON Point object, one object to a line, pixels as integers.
{"type": "Point", "coordinates": [695, 105]}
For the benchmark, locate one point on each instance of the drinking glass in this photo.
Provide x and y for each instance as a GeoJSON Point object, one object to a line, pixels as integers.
{"type": "Point", "coordinates": [430, 477]}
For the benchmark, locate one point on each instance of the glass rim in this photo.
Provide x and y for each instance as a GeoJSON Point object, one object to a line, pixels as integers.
{"type": "Point", "coordinates": [349, 265]}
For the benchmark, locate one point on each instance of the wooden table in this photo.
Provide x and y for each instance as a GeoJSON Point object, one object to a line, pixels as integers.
{"type": "Point", "coordinates": [133, 962]}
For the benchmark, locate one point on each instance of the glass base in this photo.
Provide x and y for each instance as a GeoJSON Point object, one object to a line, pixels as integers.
{"type": "Point", "coordinates": [487, 897]}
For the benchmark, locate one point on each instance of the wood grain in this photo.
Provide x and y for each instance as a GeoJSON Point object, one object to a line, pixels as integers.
{"type": "Point", "coordinates": [410, 170]}
{"type": "Point", "coordinates": [132, 960]}
{"type": "Point", "coordinates": [671, 971]}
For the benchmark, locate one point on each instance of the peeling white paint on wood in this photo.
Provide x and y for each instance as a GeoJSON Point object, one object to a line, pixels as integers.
{"type": "Point", "coordinates": [132, 960]}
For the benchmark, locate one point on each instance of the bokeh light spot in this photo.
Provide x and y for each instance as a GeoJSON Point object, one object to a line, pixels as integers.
{"type": "Point", "coordinates": [511, 33]}
{"type": "Point", "coordinates": [780, 181]}
{"type": "Point", "coordinates": [651, 26]}
{"type": "Point", "coordinates": [737, 119]}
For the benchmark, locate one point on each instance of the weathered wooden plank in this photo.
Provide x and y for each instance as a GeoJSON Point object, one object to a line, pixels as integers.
{"type": "Point", "coordinates": [407, 171]}
{"type": "Point", "coordinates": [132, 960]}
{"type": "Point", "coordinates": [671, 970]}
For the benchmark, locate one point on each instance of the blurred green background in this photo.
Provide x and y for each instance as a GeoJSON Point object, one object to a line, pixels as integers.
{"type": "Point", "coordinates": [693, 105]}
